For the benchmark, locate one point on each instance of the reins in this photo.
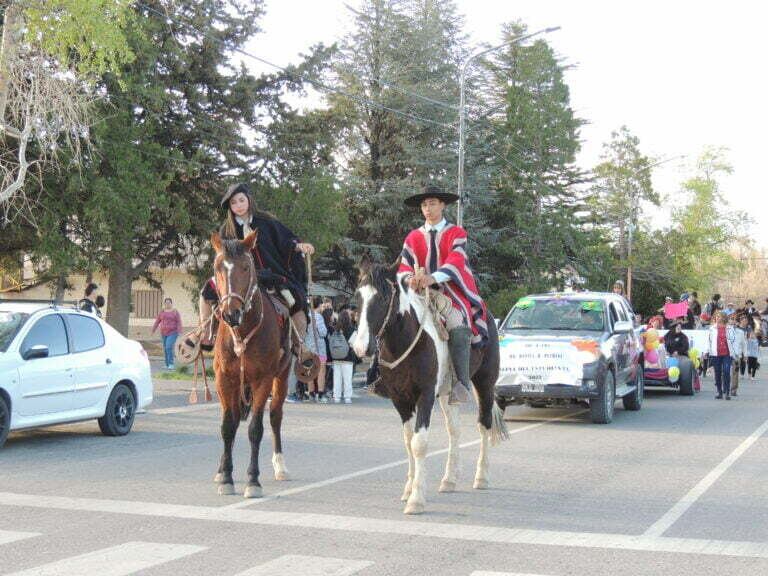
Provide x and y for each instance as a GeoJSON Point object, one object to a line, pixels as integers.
{"type": "Point", "coordinates": [394, 364]}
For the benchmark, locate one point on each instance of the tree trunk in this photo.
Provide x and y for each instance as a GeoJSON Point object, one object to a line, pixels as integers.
{"type": "Point", "coordinates": [12, 21]}
{"type": "Point", "coordinates": [119, 297]}
{"type": "Point", "coordinates": [61, 287]}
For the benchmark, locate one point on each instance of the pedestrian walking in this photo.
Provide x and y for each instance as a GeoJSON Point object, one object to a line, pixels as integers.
{"type": "Point", "coordinates": [740, 362]}
{"type": "Point", "coordinates": [315, 342]}
{"type": "Point", "coordinates": [343, 356]}
{"type": "Point", "coordinates": [721, 349]}
{"type": "Point", "coordinates": [169, 321]}
{"type": "Point", "coordinates": [330, 321]}
{"type": "Point", "coordinates": [753, 353]}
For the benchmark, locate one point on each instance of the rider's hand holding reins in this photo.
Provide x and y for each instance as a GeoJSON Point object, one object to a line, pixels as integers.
{"type": "Point", "coordinates": [305, 248]}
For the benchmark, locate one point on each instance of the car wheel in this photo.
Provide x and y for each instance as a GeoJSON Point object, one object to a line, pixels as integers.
{"type": "Point", "coordinates": [121, 410]}
{"type": "Point", "coordinates": [5, 420]}
{"type": "Point", "coordinates": [686, 377]}
{"type": "Point", "coordinates": [634, 401]}
{"type": "Point", "coordinates": [601, 408]}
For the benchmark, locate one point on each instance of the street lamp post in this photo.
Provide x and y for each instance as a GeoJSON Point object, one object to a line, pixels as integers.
{"type": "Point", "coordinates": [462, 112]}
{"type": "Point", "coordinates": [634, 207]}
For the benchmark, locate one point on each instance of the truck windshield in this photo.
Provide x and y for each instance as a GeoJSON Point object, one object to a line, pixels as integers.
{"type": "Point", "coordinates": [556, 314]}
{"type": "Point", "coordinates": [10, 324]}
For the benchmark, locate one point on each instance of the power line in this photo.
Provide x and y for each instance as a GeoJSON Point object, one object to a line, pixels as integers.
{"type": "Point", "coordinates": [315, 83]}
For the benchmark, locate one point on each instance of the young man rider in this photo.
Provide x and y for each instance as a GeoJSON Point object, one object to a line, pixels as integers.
{"type": "Point", "coordinates": [439, 248]}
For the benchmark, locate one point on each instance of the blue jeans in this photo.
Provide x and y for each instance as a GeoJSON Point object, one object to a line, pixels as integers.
{"type": "Point", "coordinates": [722, 366]}
{"type": "Point", "coordinates": [168, 343]}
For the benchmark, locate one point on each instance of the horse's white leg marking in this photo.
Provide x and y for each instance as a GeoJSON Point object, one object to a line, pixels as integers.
{"type": "Point", "coordinates": [451, 414]}
{"type": "Point", "coordinates": [407, 437]}
{"type": "Point", "coordinates": [363, 330]}
{"type": "Point", "coordinates": [417, 500]}
{"type": "Point", "coordinates": [481, 474]}
{"type": "Point", "coordinates": [278, 463]}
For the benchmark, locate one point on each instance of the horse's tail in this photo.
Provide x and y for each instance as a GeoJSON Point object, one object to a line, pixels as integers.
{"type": "Point", "coordinates": [245, 409]}
{"type": "Point", "coordinates": [499, 431]}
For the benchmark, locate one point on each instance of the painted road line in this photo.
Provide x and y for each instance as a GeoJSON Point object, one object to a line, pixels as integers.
{"type": "Point", "coordinates": [184, 409]}
{"type": "Point", "coordinates": [487, 573]}
{"type": "Point", "coordinates": [673, 515]}
{"type": "Point", "coordinates": [379, 468]}
{"type": "Point", "coordinates": [382, 527]}
{"type": "Point", "coordinates": [120, 560]}
{"type": "Point", "coordinates": [6, 536]}
{"type": "Point", "coordinates": [296, 565]}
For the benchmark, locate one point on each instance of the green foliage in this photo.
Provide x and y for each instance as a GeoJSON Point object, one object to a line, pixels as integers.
{"type": "Point", "coordinates": [89, 35]}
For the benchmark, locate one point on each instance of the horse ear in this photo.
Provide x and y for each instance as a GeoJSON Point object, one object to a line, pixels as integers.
{"type": "Point", "coordinates": [216, 241]}
{"type": "Point", "coordinates": [365, 263]}
{"type": "Point", "coordinates": [394, 267]}
{"type": "Point", "coordinates": [250, 240]}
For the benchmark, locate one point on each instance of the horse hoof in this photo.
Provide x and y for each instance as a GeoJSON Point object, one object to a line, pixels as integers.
{"type": "Point", "coordinates": [253, 492]}
{"type": "Point", "coordinates": [282, 476]}
{"type": "Point", "coordinates": [218, 478]}
{"type": "Point", "coordinates": [414, 508]}
{"type": "Point", "coordinates": [446, 486]}
{"type": "Point", "coordinates": [480, 484]}
{"type": "Point", "coordinates": [226, 489]}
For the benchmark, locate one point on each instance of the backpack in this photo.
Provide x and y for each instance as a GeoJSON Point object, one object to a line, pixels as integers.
{"type": "Point", "coordinates": [338, 345]}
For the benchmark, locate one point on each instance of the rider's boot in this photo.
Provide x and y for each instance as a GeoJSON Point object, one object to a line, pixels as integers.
{"type": "Point", "coordinates": [460, 347]}
{"type": "Point", "coordinates": [206, 324]}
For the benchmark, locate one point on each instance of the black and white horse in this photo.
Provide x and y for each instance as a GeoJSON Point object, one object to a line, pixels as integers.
{"type": "Point", "coordinates": [415, 368]}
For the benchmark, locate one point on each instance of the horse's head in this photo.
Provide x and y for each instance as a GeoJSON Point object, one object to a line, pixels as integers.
{"type": "Point", "coordinates": [235, 273]}
{"type": "Point", "coordinates": [377, 287]}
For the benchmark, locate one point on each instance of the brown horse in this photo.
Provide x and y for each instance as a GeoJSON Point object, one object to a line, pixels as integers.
{"type": "Point", "coordinates": [251, 360]}
{"type": "Point", "coordinates": [394, 319]}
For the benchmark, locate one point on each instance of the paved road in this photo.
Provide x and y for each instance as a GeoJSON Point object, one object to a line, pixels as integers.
{"type": "Point", "coordinates": [679, 488]}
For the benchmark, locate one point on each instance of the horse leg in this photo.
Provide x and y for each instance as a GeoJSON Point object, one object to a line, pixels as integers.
{"type": "Point", "coordinates": [451, 414]}
{"type": "Point", "coordinates": [408, 438]}
{"type": "Point", "coordinates": [490, 423]}
{"type": "Point", "coordinates": [279, 390]}
{"type": "Point", "coordinates": [223, 478]}
{"type": "Point", "coordinates": [255, 434]}
{"type": "Point", "coordinates": [419, 444]}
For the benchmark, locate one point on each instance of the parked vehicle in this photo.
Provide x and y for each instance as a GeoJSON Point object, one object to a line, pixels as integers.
{"type": "Point", "coordinates": [60, 364]}
{"type": "Point", "coordinates": [565, 348]}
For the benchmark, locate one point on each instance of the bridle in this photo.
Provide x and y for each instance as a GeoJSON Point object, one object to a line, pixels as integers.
{"type": "Point", "coordinates": [394, 364]}
{"type": "Point", "coordinates": [252, 287]}
{"type": "Point", "coordinates": [240, 343]}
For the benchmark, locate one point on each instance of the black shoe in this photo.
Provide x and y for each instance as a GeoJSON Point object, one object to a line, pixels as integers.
{"type": "Point", "coordinates": [719, 397]}
{"type": "Point", "coordinates": [728, 397]}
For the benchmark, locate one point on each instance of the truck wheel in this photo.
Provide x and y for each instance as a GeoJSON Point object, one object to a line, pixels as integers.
{"type": "Point", "coordinates": [121, 410]}
{"type": "Point", "coordinates": [601, 408]}
{"type": "Point", "coordinates": [686, 377]}
{"type": "Point", "coordinates": [5, 420]}
{"type": "Point", "coordinates": [634, 401]}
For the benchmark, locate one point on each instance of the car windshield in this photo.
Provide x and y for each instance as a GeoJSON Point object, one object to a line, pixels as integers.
{"type": "Point", "coordinates": [556, 314]}
{"type": "Point", "coordinates": [10, 324]}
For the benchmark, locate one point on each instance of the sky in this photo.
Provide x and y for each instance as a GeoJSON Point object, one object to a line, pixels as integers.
{"type": "Point", "coordinates": [681, 75]}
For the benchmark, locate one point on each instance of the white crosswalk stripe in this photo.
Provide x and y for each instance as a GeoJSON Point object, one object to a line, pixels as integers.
{"type": "Point", "coordinates": [6, 536]}
{"type": "Point", "coordinates": [297, 565]}
{"type": "Point", "coordinates": [487, 573]}
{"type": "Point", "coordinates": [115, 561]}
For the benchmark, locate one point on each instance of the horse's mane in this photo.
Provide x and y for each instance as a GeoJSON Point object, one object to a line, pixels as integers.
{"type": "Point", "coordinates": [233, 248]}
{"type": "Point", "coordinates": [381, 276]}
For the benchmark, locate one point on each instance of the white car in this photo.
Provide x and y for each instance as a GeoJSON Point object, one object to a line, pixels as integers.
{"type": "Point", "coordinates": [60, 364]}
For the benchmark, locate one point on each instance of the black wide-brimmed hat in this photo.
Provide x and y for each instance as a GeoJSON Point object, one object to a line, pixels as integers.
{"type": "Point", "coordinates": [430, 192]}
{"type": "Point", "coordinates": [238, 188]}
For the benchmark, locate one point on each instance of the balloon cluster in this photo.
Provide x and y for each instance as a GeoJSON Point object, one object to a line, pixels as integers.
{"type": "Point", "coordinates": [652, 341]}
{"type": "Point", "coordinates": [695, 357]}
{"type": "Point", "coordinates": [673, 369]}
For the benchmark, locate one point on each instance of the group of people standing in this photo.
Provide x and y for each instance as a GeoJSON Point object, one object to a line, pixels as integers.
{"type": "Point", "coordinates": [329, 336]}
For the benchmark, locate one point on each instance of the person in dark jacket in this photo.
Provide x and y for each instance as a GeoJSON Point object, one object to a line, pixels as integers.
{"type": "Point", "coordinates": [343, 369]}
{"type": "Point", "coordinates": [676, 342]}
{"type": "Point", "coordinates": [278, 254]}
{"type": "Point", "coordinates": [87, 303]}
